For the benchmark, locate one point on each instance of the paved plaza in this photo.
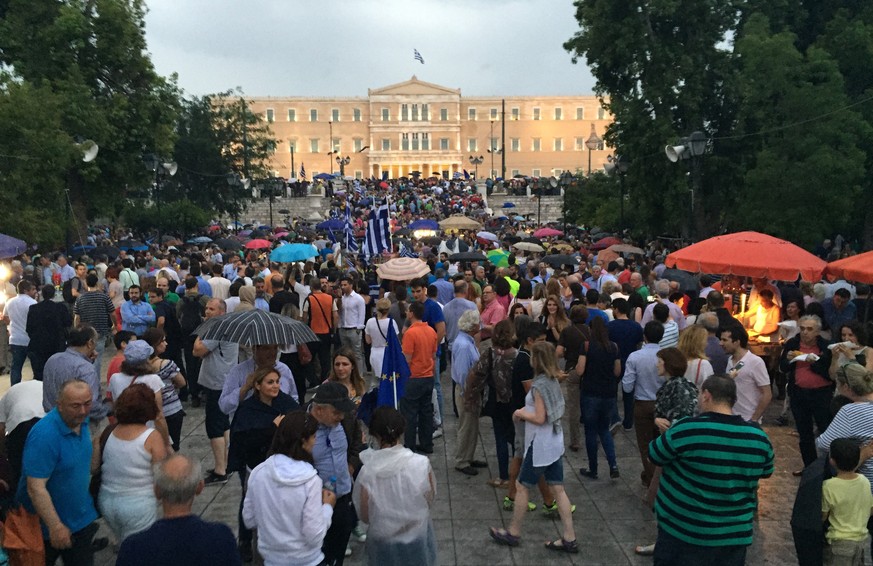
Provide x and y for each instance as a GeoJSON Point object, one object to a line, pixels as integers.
{"type": "Point", "coordinates": [610, 517]}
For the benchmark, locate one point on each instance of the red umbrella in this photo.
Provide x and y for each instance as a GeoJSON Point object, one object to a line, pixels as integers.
{"type": "Point", "coordinates": [604, 243]}
{"type": "Point", "coordinates": [749, 254]}
{"type": "Point", "coordinates": [383, 184]}
{"type": "Point", "coordinates": [547, 233]}
{"type": "Point", "coordinates": [854, 268]}
{"type": "Point", "coordinates": [258, 244]}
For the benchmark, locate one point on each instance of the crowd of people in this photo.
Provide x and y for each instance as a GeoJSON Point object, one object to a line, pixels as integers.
{"type": "Point", "coordinates": [585, 346]}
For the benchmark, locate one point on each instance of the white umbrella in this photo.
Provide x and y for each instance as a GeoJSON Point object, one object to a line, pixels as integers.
{"type": "Point", "coordinates": [528, 247]}
{"type": "Point", "coordinates": [487, 236]}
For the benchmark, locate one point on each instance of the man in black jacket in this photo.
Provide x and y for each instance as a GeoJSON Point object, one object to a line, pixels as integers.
{"type": "Point", "coordinates": [810, 388]}
{"type": "Point", "coordinates": [47, 325]}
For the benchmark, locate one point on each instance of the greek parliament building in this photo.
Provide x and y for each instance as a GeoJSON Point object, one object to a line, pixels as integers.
{"type": "Point", "coordinates": [432, 129]}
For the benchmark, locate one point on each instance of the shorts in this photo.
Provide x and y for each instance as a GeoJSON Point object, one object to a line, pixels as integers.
{"type": "Point", "coordinates": [518, 442]}
{"type": "Point", "coordinates": [530, 475]}
{"type": "Point", "coordinates": [217, 423]}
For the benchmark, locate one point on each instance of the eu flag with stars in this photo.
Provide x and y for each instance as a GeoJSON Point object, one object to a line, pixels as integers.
{"type": "Point", "coordinates": [395, 372]}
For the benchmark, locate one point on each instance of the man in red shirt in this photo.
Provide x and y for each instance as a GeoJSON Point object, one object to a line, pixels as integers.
{"type": "Point", "coordinates": [419, 347]}
{"type": "Point", "coordinates": [492, 313]}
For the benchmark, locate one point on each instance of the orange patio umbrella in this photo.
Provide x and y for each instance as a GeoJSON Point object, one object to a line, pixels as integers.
{"type": "Point", "coordinates": [749, 254]}
{"type": "Point", "coordinates": [854, 268]}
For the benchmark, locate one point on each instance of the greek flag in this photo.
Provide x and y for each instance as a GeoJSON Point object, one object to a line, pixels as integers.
{"type": "Point", "coordinates": [351, 242]}
{"type": "Point", "coordinates": [302, 171]}
{"type": "Point", "coordinates": [456, 175]}
{"type": "Point", "coordinates": [358, 188]}
{"type": "Point", "coordinates": [406, 252]}
{"type": "Point", "coordinates": [418, 56]}
{"type": "Point", "coordinates": [378, 237]}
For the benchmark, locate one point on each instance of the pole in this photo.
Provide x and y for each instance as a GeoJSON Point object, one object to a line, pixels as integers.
{"type": "Point", "coordinates": [589, 162]}
{"type": "Point", "coordinates": [245, 133]}
{"type": "Point", "coordinates": [293, 170]}
{"type": "Point", "coordinates": [330, 147]}
{"type": "Point", "coordinates": [503, 141]}
{"type": "Point", "coordinates": [158, 199]}
{"type": "Point", "coordinates": [491, 141]}
{"type": "Point", "coordinates": [621, 185]}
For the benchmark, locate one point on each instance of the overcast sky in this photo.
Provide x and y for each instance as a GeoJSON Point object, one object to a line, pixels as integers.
{"type": "Point", "coordinates": [344, 47]}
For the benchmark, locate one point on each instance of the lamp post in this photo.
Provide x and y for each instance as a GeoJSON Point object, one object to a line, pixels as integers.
{"type": "Point", "coordinates": [342, 162]}
{"type": "Point", "coordinates": [692, 147]}
{"type": "Point", "coordinates": [475, 161]}
{"type": "Point", "coordinates": [160, 167]}
{"type": "Point", "coordinates": [330, 145]}
{"type": "Point", "coordinates": [618, 165]}
{"type": "Point", "coordinates": [566, 181]}
{"type": "Point", "coordinates": [592, 143]}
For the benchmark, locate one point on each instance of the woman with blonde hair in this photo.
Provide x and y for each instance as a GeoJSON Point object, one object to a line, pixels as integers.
{"type": "Point", "coordinates": [538, 301]}
{"type": "Point", "coordinates": [692, 344]}
{"type": "Point", "coordinates": [544, 407]}
{"type": "Point", "coordinates": [376, 334]}
{"type": "Point", "coordinates": [554, 318]}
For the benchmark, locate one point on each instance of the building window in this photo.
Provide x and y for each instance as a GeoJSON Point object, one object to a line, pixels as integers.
{"type": "Point", "coordinates": [334, 115]}
{"type": "Point", "coordinates": [271, 116]}
{"type": "Point", "coordinates": [313, 145]}
{"type": "Point", "coordinates": [535, 173]}
{"type": "Point", "coordinates": [415, 145]}
{"type": "Point", "coordinates": [404, 112]}
{"type": "Point", "coordinates": [558, 144]}
{"type": "Point", "coordinates": [515, 144]}
{"type": "Point", "coordinates": [336, 145]}
{"type": "Point", "coordinates": [313, 115]}
{"type": "Point", "coordinates": [559, 113]}
{"type": "Point", "coordinates": [579, 144]}
{"type": "Point", "coordinates": [386, 144]}
{"type": "Point", "coordinates": [515, 113]}
{"type": "Point", "coordinates": [557, 172]}
{"type": "Point", "coordinates": [515, 172]}
{"type": "Point", "coordinates": [385, 115]}
{"type": "Point", "coordinates": [495, 145]}
{"type": "Point", "coordinates": [536, 113]}
{"type": "Point", "coordinates": [404, 142]}
{"type": "Point", "coordinates": [600, 145]}
{"type": "Point", "coordinates": [471, 114]}
{"type": "Point", "coordinates": [359, 144]}
{"type": "Point", "coordinates": [415, 112]}
{"type": "Point", "coordinates": [359, 174]}
{"type": "Point", "coordinates": [536, 144]}
{"type": "Point", "coordinates": [425, 142]}
{"type": "Point", "coordinates": [292, 145]}
{"type": "Point", "coordinates": [494, 113]}
{"type": "Point", "coordinates": [425, 112]}
{"type": "Point", "coordinates": [601, 113]}
{"type": "Point", "coordinates": [444, 144]}
{"type": "Point", "coordinates": [580, 113]}
{"type": "Point", "coordinates": [292, 115]}
{"type": "Point", "coordinates": [444, 114]}
{"type": "Point", "coordinates": [356, 114]}
{"type": "Point", "coordinates": [472, 145]}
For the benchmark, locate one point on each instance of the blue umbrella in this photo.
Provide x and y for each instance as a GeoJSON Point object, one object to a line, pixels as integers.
{"type": "Point", "coordinates": [424, 225]}
{"type": "Point", "coordinates": [324, 176]}
{"type": "Point", "coordinates": [519, 218]}
{"type": "Point", "coordinates": [332, 224]}
{"type": "Point", "coordinates": [11, 247]}
{"type": "Point", "coordinates": [508, 205]}
{"type": "Point", "coordinates": [293, 252]}
{"type": "Point", "coordinates": [79, 250]}
{"type": "Point", "coordinates": [200, 240]}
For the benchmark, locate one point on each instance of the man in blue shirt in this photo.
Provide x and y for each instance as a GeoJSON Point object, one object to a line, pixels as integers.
{"type": "Point", "coordinates": [445, 290]}
{"type": "Point", "coordinates": [433, 316]}
{"type": "Point", "coordinates": [56, 471]}
{"type": "Point", "coordinates": [136, 316]}
{"type": "Point", "coordinates": [839, 310]}
{"type": "Point", "coordinates": [465, 355]}
{"type": "Point", "coordinates": [335, 453]}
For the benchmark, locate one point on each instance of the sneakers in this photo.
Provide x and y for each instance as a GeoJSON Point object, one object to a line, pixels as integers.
{"type": "Point", "coordinates": [613, 473]}
{"type": "Point", "coordinates": [509, 504]}
{"type": "Point", "coordinates": [613, 428]}
{"type": "Point", "coordinates": [359, 534]}
{"type": "Point", "coordinates": [214, 479]}
{"type": "Point", "coordinates": [588, 473]}
{"type": "Point", "coordinates": [348, 551]}
{"type": "Point", "coordinates": [438, 432]}
{"type": "Point", "coordinates": [552, 510]}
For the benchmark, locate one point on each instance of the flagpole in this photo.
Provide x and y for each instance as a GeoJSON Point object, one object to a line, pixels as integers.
{"type": "Point", "coordinates": [394, 382]}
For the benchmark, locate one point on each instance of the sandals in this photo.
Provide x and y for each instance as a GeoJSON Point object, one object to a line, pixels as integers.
{"type": "Point", "coordinates": [498, 483]}
{"type": "Point", "coordinates": [562, 545]}
{"type": "Point", "coordinates": [645, 550]}
{"type": "Point", "coordinates": [503, 537]}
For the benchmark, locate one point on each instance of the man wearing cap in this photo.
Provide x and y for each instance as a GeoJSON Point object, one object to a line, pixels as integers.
{"type": "Point", "coordinates": [338, 442]}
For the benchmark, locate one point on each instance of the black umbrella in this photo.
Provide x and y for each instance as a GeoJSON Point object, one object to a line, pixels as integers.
{"type": "Point", "coordinates": [228, 244]}
{"type": "Point", "coordinates": [687, 281]}
{"type": "Point", "coordinates": [512, 239]}
{"type": "Point", "coordinates": [533, 240]}
{"type": "Point", "coordinates": [432, 240]}
{"type": "Point", "coordinates": [468, 256]}
{"type": "Point", "coordinates": [403, 232]}
{"type": "Point", "coordinates": [254, 327]}
{"type": "Point", "coordinates": [257, 234]}
{"type": "Point", "coordinates": [109, 251]}
{"type": "Point", "coordinates": [558, 260]}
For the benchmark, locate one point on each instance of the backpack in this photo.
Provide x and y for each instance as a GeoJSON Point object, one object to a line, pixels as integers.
{"type": "Point", "coordinates": [67, 291]}
{"type": "Point", "coordinates": [190, 314]}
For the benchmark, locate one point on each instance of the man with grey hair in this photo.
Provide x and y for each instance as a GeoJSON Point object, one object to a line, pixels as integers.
{"type": "Point", "coordinates": [465, 355]}
{"type": "Point", "coordinates": [445, 290]}
{"type": "Point", "coordinates": [181, 537]}
{"type": "Point", "coordinates": [716, 354]}
{"type": "Point", "coordinates": [810, 388]}
{"type": "Point", "coordinates": [662, 291]}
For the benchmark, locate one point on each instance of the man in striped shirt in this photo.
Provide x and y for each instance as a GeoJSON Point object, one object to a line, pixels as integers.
{"type": "Point", "coordinates": [708, 492]}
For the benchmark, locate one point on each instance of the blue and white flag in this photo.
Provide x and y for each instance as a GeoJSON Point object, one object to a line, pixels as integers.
{"type": "Point", "coordinates": [457, 174]}
{"type": "Point", "coordinates": [395, 371]}
{"type": "Point", "coordinates": [302, 171]}
{"type": "Point", "coordinates": [466, 175]}
{"type": "Point", "coordinates": [406, 252]}
{"type": "Point", "coordinates": [351, 242]}
{"type": "Point", "coordinates": [358, 188]}
{"type": "Point", "coordinates": [378, 238]}
{"type": "Point", "coordinates": [418, 56]}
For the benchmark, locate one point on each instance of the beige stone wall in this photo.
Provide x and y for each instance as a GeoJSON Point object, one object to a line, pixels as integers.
{"type": "Point", "coordinates": [539, 142]}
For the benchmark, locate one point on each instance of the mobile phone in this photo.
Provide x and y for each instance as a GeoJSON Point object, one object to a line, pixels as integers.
{"type": "Point", "coordinates": [739, 366]}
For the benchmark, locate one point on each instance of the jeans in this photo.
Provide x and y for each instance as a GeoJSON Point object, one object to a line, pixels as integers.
{"type": "Point", "coordinates": [19, 354]}
{"type": "Point", "coordinates": [417, 406]}
{"type": "Point", "coordinates": [808, 405]}
{"type": "Point", "coordinates": [670, 551]}
{"type": "Point", "coordinates": [504, 436]}
{"type": "Point", "coordinates": [596, 412]}
{"type": "Point", "coordinates": [337, 538]}
{"type": "Point", "coordinates": [80, 554]}
{"type": "Point", "coordinates": [101, 347]}
{"type": "Point", "coordinates": [438, 408]}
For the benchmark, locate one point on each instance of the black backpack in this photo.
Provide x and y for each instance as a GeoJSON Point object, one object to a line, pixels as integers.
{"type": "Point", "coordinates": [191, 314]}
{"type": "Point", "coordinates": [67, 291]}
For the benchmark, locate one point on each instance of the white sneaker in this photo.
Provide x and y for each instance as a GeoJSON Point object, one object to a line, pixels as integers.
{"type": "Point", "coordinates": [438, 432]}
{"type": "Point", "coordinates": [348, 550]}
{"type": "Point", "coordinates": [359, 534]}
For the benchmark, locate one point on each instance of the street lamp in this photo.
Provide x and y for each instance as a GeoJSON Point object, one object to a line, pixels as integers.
{"type": "Point", "coordinates": [618, 165]}
{"type": "Point", "coordinates": [475, 161]}
{"type": "Point", "coordinates": [161, 168]}
{"type": "Point", "coordinates": [692, 147]}
{"type": "Point", "coordinates": [566, 181]}
{"type": "Point", "coordinates": [592, 143]}
{"type": "Point", "coordinates": [342, 162]}
{"type": "Point", "coordinates": [492, 151]}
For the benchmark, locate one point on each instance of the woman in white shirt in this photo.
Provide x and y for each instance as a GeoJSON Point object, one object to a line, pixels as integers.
{"type": "Point", "coordinates": [137, 368]}
{"type": "Point", "coordinates": [376, 334]}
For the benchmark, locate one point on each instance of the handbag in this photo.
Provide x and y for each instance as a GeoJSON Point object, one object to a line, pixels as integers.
{"type": "Point", "coordinates": [97, 476]}
{"type": "Point", "coordinates": [22, 537]}
{"type": "Point", "coordinates": [489, 394]}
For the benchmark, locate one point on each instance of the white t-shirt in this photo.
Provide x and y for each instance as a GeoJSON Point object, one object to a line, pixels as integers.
{"type": "Point", "coordinates": [752, 376]}
{"type": "Point", "coordinates": [121, 381]}
{"type": "Point", "coordinates": [16, 309]}
{"type": "Point", "coordinates": [21, 403]}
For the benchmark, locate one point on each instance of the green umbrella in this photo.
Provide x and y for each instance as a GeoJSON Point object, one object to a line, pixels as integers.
{"type": "Point", "coordinates": [498, 257]}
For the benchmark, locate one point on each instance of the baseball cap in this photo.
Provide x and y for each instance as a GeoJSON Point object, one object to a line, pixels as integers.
{"type": "Point", "coordinates": [137, 352]}
{"type": "Point", "coordinates": [332, 393]}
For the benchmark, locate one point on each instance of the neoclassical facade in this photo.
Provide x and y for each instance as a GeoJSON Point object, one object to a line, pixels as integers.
{"type": "Point", "coordinates": [432, 129]}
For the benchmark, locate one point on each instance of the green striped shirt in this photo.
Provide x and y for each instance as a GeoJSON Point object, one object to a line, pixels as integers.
{"type": "Point", "coordinates": [712, 464]}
